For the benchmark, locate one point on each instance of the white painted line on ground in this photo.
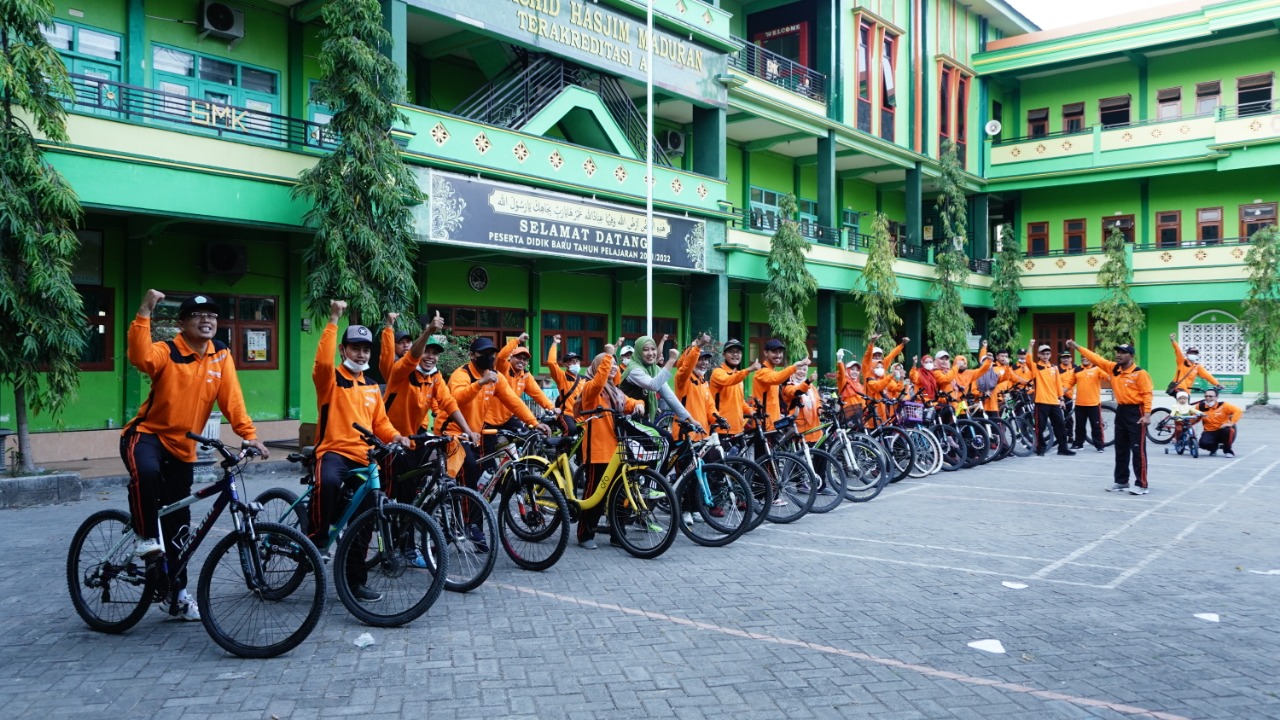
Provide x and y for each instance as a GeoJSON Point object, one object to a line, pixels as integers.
{"type": "Point", "coordinates": [1265, 572]}
{"type": "Point", "coordinates": [1189, 529]}
{"type": "Point", "coordinates": [1014, 585]}
{"type": "Point", "coordinates": [1021, 490]}
{"type": "Point", "coordinates": [1042, 572]}
{"type": "Point", "coordinates": [924, 670]}
{"type": "Point", "coordinates": [1209, 617]}
{"type": "Point", "coordinates": [992, 646]}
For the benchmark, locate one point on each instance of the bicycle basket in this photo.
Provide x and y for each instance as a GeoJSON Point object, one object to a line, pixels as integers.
{"type": "Point", "coordinates": [915, 412]}
{"type": "Point", "coordinates": [640, 444]}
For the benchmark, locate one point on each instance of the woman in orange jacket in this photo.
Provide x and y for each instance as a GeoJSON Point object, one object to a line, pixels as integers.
{"type": "Point", "coordinates": [803, 401]}
{"type": "Point", "coordinates": [692, 388]}
{"type": "Point", "coordinates": [601, 441]}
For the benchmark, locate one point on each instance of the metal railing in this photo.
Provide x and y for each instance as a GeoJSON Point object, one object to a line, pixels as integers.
{"type": "Point", "coordinates": [1227, 112]}
{"type": "Point", "coordinates": [1263, 107]}
{"type": "Point", "coordinates": [982, 266]}
{"type": "Point", "coordinates": [1188, 244]}
{"type": "Point", "coordinates": [108, 98]}
{"type": "Point", "coordinates": [1062, 252]}
{"type": "Point", "coordinates": [779, 70]}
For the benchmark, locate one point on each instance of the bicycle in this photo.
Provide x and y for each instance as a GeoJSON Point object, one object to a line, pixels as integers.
{"type": "Point", "coordinates": [398, 546]}
{"type": "Point", "coordinates": [533, 514]}
{"type": "Point", "coordinates": [715, 497]}
{"type": "Point", "coordinates": [787, 479]}
{"type": "Point", "coordinates": [261, 590]}
{"type": "Point", "coordinates": [863, 461]}
{"type": "Point", "coordinates": [1185, 439]}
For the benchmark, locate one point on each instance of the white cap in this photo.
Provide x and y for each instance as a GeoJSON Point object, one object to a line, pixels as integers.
{"type": "Point", "coordinates": [1042, 348]}
{"type": "Point", "coordinates": [942, 354]}
{"type": "Point", "coordinates": [1183, 394]}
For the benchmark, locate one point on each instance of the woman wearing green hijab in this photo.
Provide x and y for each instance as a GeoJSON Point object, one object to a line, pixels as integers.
{"type": "Point", "coordinates": [647, 381]}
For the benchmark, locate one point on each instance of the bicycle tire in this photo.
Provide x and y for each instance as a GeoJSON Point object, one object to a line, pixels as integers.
{"type": "Point", "coordinates": [533, 521]}
{"type": "Point", "coordinates": [1024, 439]}
{"type": "Point", "coordinates": [281, 506]}
{"type": "Point", "coordinates": [928, 453]}
{"type": "Point", "coordinates": [831, 477]}
{"type": "Point", "coordinates": [653, 515]}
{"type": "Point", "coordinates": [88, 569]}
{"type": "Point", "coordinates": [899, 450]}
{"type": "Point", "coordinates": [977, 442]}
{"type": "Point", "coordinates": [787, 472]}
{"type": "Point", "coordinates": [254, 624]}
{"type": "Point", "coordinates": [391, 532]}
{"type": "Point", "coordinates": [1193, 446]}
{"type": "Point", "coordinates": [864, 469]}
{"type": "Point", "coordinates": [761, 488]}
{"type": "Point", "coordinates": [469, 564]}
{"type": "Point", "coordinates": [1160, 430]}
{"type": "Point", "coordinates": [728, 514]}
{"type": "Point", "coordinates": [1107, 415]}
{"type": "Point", "coordinates": [954, 452]}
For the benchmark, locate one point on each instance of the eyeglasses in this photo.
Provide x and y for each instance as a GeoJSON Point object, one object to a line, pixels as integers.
{"type": "Point", "coordinates": [203, 316]}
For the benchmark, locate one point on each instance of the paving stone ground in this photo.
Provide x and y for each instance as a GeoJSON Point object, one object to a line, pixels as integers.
{"type": "Point", "coordinates": [864, 612]}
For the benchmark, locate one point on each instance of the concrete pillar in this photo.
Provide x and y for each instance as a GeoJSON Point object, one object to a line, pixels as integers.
{"type": "Point", "coordinates": [135, 72]}
{"type": "Point", "coordinates": [709, 306]}
{"type": "Point", "coordinates": [395, 18]}
{"type": "Point", "coordinates": [826, 329]}
{"type": "Point", "coordinates": [981, 222]}
{"type": "Point", "coordinates": [915, 209]}
{"type": "Point", "coordinates": [828, 202]}
{"type": "Point", "coordinates": [912, 313]}
{"type": "Point", "coordinates": [709, 132]}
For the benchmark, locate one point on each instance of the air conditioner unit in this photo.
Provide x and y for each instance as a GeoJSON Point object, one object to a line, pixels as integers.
{"type": "Point", "coordinates": [672, 142]}
{"type": "Point", "coordinates": [220, 20]}
{"type": "Point", "coordinates": [225, 259]}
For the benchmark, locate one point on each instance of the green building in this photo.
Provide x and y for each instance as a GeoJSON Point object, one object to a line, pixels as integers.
{"type": "Point", "coordinates": [192, 119]}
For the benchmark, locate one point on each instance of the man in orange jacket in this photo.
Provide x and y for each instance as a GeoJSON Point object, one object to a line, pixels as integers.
{"type": "Point", "coordinates": [1131, 386]}
{"type": "Point", "coordinates": [769, 378]}
{"type": "Point", "coordinates": [1187, 367]}
{"type": "Point", "coordinates": [1219, 422]}
{"type": "Point", "coordinates": [1087, 383]}
{"type": "Point", "coordinates": [188, 373]}
{"type": "Point", "coordinates": [392, 344]}
{"type": "Point", "coordinates": [513, 361]}
{"type": "Point", "coordinates": [1048, 399]}
{"type": "Point", "coordinates": [568, 378]}
{"type": "Point", "coordinates": [692, 388]}
{"type": "Point", "coordinates": [727, 383]}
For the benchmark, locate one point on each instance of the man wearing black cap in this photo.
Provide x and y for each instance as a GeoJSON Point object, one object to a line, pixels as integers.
{"type": "Point", "coordinates": [765, 386]}
{"type": "Point", "coordinates": [1048, 400]}
{"type": "Point", "coordinates": [1131, 386]}
{"type": "Point", "coordinates": [512, 362]}
{"type": "Point", "coordinates": [393, 344]}
{"type": "Point", "coordinates": [187, 374]}
{"type": "Point", "coordinates": [568, 378]}
{"type": "Point", "coordinates": [726, 386]}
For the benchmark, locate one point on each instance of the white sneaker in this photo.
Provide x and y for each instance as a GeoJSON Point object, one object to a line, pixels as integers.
{"type": "Point", "coordinates": [1135, 490]}
{"type": "Point", "coordinates": [188, 610]}
{"type": "Point", "coordinates": [148, 546]}
{"type": "Point", "coordinates": [687, 518]}
{"type": "Point", "coordinates": [1117, 488]}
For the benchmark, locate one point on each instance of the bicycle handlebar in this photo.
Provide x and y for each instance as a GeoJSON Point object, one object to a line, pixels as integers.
{"type": "Point", "coordinates": [227, 455]}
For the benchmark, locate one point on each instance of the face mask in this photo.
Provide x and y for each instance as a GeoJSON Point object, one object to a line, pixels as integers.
{"type": "Point", "coordinates": [928, 366]}
{"type": "Point", "coordinates": [434, 369]}
{"type": "Point", "coordinates": [1210, 402]}
{"type": "Point", "coordinates": [484, 361]}
{"type": "Point", "coordinates": [1193, 358]}
{"type": "Point", "coordinates": [879, 372]}
{"type": "Point", "coordinates": [575, 368]}
{"type": "Point", "coordinates": [353, 367]}
{"type": "Point", "coordinates": [961, 367]}
{"type": "Point", "coordinates": [897, 374]}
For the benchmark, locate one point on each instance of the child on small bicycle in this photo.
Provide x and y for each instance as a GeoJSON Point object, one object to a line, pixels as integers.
{"type": "Point", "coordinates": [1184, 414]}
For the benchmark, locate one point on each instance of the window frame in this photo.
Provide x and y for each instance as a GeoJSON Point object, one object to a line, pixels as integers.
{"type": "Point", "coordinates": [1245, 234]}
{"type": "Point", "coordinates": [1170, 97]}
{"type": "Point", "coordinates": [1257, 82]}
{"type": "Point", "coordinates": [1037, 123]}
{"type": "Point", "coordinates": [766, 209]}
{"type": "Point", "coordinates": [584, 336]}
{"type": "Point", "coordinates": [661, 325]}
{"type": "Point", "coordinates": [234, 327]}
{"type": "Point", "coordinates": [105, 322]}
{"type": "Point", "coordinates": [1068, 233]}
{"type": "Point", "coordinates": [1110, 221]}
{"type": "Point", "coordinates": [1115, 106]}
{"type": "Point", "coordinates": [1209, 89]}
{"type": "Point", "coordinates": [1038, 234]}
{"type": "Point", "coordinates": [497, 334]}
{"type": "Point", "coordinates": [1166, 220]}
{"type": "Point", "coordinates": [1073, 112]}
{"type": "Point", "coordinates": [198, 90]}
{"type": "Point", "coordinates": [1202, 224]}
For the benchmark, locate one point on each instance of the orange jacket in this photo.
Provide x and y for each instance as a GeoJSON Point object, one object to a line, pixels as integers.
{"type": "Point", "coordinates": [344, 398]}
{"type": "Point", "coordinates": [964, 382]}
{"type": "Point", "coordinates": [1185, 372]}
{"type": "Point", "coordinates": [411, 395]}
{"type": "Point", "coordinates": [726, 388]}
{"type": "Point", "coordinates": [569, 384]}
{"type": "Point", "coordinates": [387, 353]}
{"type": "Point", "coordinates": [601, 441]}
{"type": "Point", "coordinates": [1218, 415]}
{"type": "Point", "coordinates": [808, 415]}
{"type": "Point", "coordinates": [1048, 383]}
{"type": "Point", "coordinates": [474, 399]}
{"type": "Point", "coordinates": [945, 380]}
{"type": "Point", "coordinates": [887, 360]}
{"type": "Point", "coordinates": [693, 391]}
{"type": "Point", "coordinates": [1087, 382]}
{"type": "Point", "coordinates": [496, 413]}
{"type": "Point", "coordinates": [849, 389]}
{"type": "Point", "coordinates": [184, 388]}
{"type": "Point", "coordinates": [1064, 379]}
{"type": "Point", "coordinates": [1131, 386]}
{"type": "Point", "coordinates": [764, 390]}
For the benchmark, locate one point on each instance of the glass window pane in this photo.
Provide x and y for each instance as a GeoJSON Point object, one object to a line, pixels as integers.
{"type": "Point", "coordinates": [258, 80]}
{"type": "Point", "coordinates": [466, 317]}
{"type": "Point", "coordinates": [490, 319]}
{"type": "Point", "coordinates": [99, 44]}
{"type": "Point", "coordinates": [573, 322]}
{"type": "Point", "coordinates": [58, 35]}
{"type": "Point", "coordinates": [597, 346]}
{"type": "Point", "coordinates": [217, 71]}
{"type": "Point", "coordinates": [173, 61]}
{"type": "Point", "coordinates": [550, 321]}
{"type": "Point", "coordinates": [513, 320]}
{"type": "Point", "coordinates": [573, 343]}
{"type": "Point", "coordinates": [174, 105]}
{"type": "Point", "coordinates": [595, 323]}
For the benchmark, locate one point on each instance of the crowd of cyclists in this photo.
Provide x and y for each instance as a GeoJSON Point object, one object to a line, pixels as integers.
{"type": "Point", "coordinates": [632, 443]}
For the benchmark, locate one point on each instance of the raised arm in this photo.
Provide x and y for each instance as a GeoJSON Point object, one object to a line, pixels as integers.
{"type": "Point", "coordinates": [144, 354]}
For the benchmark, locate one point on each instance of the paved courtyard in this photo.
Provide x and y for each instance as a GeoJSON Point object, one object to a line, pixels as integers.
{"type": "Point", "coordinates": [1105, 606]}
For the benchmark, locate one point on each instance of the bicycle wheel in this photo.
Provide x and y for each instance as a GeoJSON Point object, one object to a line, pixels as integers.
{"type": "Point", "coordinates": [863, 471]}
{"type": "Point", "coordinates": [829, 492]}
{"type": "Point", "coordinates": [1003, 439]}
{"type": "Point", "coordinates": [470, 530]}
{"type": "Point", "coordinates": [533, 520]}
{"type": "Point", "coordinates": [242, 606]}
{"type": "Point", "coordinates": [643, 511]}
{"type": "Point", "coordinates": [281, 506]}
{"type": "Point", "coordinates": [928, 453]}
{"type": "Point", "coordinates": [1193, 445]}
{"type": "Point", "coordinates": [110, 588]}
{"type": "Point", "coordinates": [761, 488]}
{"type": "Point", "coordinates": [793, 482]}
{"type": "Point", "coordinates": [1108, 419]}
{"type": "Point", "coordinates": [1160, 429]}
{"type": "Point", "coordinates": [954, 452]}
{"type": "Point", "coordinates": [977, 443]}
{"type": "Point", "coordinates": [898, 448]}
{"type": "Point", "coordinates": [1024, 437]}
{"type": "Point", "coordinates": [720, 508]}
{"type": "Point", "coordinates": [377, 551]}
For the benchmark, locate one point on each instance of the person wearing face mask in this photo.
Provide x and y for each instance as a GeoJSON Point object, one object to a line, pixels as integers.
{"type": "Point", "coordinates": [1219, 421]}
{"type": "Point", "coordinates": [345, 396]}
{"type": "Point", "coordinates": [512, 362]}
{"type": "Point", "coordinates": [599, 443]}
{"type": "Point", "coordinates": [727, 387]}
{"type": "Point", "coordinates": [923, 377]}
{"type": "Point", "coordinates": [568, 379]}
{"type": "Point", "coordinates": [874, 354]}
{"type": "Point", "coordinates": [1187, 368]}
{"type": "Point", "coordinates": [1048, 400]}
{"type": "Point", "coordinates": [884, 385]}
{"type": "Point", "coordinates": [1087, 384]}
{"type": "Point", "coordinates": [1131, 386]}
{"type": "Point", "coordinates": [1066, 369]}
{"type": "Point", "coordinates": [392, 346]}
{"type": "Point", "coordinates": [692, 388]}
{"type": "Point", "coordinates": [805, 403]}
{"type": "Point", "coordinates": [965, 382]}
{"type": "Point", "coordinates": [849, 388]}
{"type": "Point", "coordinates": [646, 381]}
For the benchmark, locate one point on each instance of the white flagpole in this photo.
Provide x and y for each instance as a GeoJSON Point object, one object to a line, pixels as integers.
{"type": "Point", "coordinates": [648, 169]}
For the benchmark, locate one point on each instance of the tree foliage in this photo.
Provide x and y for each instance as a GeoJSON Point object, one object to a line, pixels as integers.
{"type": "Point", "coordinates": [877, 288]}
{"type": "Point", "coordinates": [1117, 318]}
{"type": "Point", "coordinates": [949, 324]}
{"type": "Point", "coordinates": [1006, 287]}
{"type": "Point", "coordinates": [41, 314]}
{"type": "Point", "coordinates": [1260, 320]}
{"type": "Point", "coordinates": [364, 248]}
{"type": "Point", "coordinates": [791, 286]}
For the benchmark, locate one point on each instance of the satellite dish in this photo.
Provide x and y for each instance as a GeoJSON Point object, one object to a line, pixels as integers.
{"type": "Point", "coordinates": [993, 128]}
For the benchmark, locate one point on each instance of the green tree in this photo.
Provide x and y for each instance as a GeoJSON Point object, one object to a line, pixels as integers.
{"type": "Point", "coordinates": [364, 248]}
{"type": "Point", "coordinates": [1005, 289]}
{"type": "Point", "coordinates": [877, 288]}
{"type": "Point", "coordinates": [949, 324]}
{"type": "Point", "coordinates": [1261, 317]}
{"type": "Point", "coordinates": [791, 286]}
{"type": "Point", "coordinates": [1116, 317]}
{"type": "Point", "coordinates": [41, 315]}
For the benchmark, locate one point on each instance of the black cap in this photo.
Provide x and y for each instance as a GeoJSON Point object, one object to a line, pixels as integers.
{"type": "Point", "coordinates": [357, 335]}
{"type": "Point", "coordinates": [197, 303]}
{"type": "Point", "coordinates": [481, 344]}
{"type": "Point", "coordinates": [1064, 354]}
{"type": "Point", "coordinates": [402, 335]}
{"type": "Point", "coordinates": [705, 353]}
{"type": "Point", "coordinates": [1125, 348]}
{"type": "Point", "coordinates": [732, 343]}
{"type": "Point", "coordinates": [775, 344]}
{"type": "Point", "coordinates": [570, 357]}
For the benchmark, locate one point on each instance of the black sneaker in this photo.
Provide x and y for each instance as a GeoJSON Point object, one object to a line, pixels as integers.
{"type": "Point", "coordinates": [364, 594]}
{"type": "Point", "coordinates": [1077, 447]}
{"type": "Point", "coordinates": [1066, 452]}
{"type": "Point", "coordinates": [478, 539]}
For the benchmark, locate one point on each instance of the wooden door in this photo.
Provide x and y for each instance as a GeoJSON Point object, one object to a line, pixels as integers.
{"type": "Point", "coordinates": [1054, 330]}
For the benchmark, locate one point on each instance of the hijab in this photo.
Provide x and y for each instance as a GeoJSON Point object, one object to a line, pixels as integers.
{"type": "Point", "coordinates": [637, 363]}
{"type": "Point", "coordinates": [612, 396]}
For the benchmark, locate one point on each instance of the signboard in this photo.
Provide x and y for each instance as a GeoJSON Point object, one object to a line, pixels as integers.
{"type": "Point", "coordinates": [598, 37]}
{"type": "Point", "coordinates": [1231, 384]}
{"type": "Point", "coordinates": [483, 213]}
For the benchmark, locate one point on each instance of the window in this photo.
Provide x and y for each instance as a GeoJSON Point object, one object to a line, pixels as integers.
{"type": "Point", "coordinates": [1114, 111]}
{"type": "Point", "coordinates": [1073, 117]}
{"type": "Point", "coordinates": [78, 40]}
{"type": "Point", "coordinates": [92, 57]}
{"type": "Point", "coordinates": [807, 216]}
{"type": "Point", "coordinates": [764, 209]}
{"type": "Point", "coordinates": [888, 98]}
{"type": "Point", "coordinates": [633, 328]}
{"type": "Point", "coordinates": [962, 112]}
{"type": "Point", "coordinates": [1038, 238]}
{"type": "Point", "coordinates": [1223, 347]}
{"type": "Point", "coordinates": [1169, 229]}
{"type": "Point", "coordinates": [1169, 103]}
{"type": "Point", "coordinates": [246, 323]}
{"type": "Point", "coordinates": [953, 109]}
{"type": "Point", "coordinates": [866, 31]}
{"type": "Point", "coordinates": [944, 105]}
{"type": "Point", "coordinates": [1038, 122]}
{"type": "Point", "coordinates": [497, 324]}
{"type": "Point", "coordinates": [1255, 217]}
{"type": "Point", "coordinates": [1073, 236]}
{"type": "Point", "coordinates": [212, 85]}
{"type": "Point", "coordinates": [99, 311]}
{"type": "Point", "coordinates": [1209, 226]}
{"type": "Point", "coordinates": [1123, 222]}
{"type": "Point", "coordinates": [1253, 94]}
{"type": "Point", "coordinates": [1208, 97]}
{"type": "Point", "coordinates": [790, 41]}
{"type": "Point", "coordinates": [583, 333]}
{"type": "Point", "coordinates": [997, 114]}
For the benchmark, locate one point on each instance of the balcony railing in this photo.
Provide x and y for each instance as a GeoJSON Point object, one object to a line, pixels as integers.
{"type": "Point", "coordinates": [781, 71]}
{"type": "Point", "coordinates": [107, 98]}
{"type": "Point", "coordinates": [768, 222]}
{"type": "Point", "coordinates": [1152, 245]}
{"type": "Point", "coordinates": [982, 266]}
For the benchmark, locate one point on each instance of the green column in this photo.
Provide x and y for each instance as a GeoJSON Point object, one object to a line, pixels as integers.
{"type": "Point", "coordinates": [912, 314]}
{"type": "Point", "coordinates": [534, 321]}
{"type": "Point", "coordinates": [135, 72]}
{"type": "Point", "coordinates": [134, 247]}
{"type": "Point", "coordinates": [709, 130]}
{"type": "Point", "coordinates": [296, 90]}
{"type": "Point", "coordinates": [915, 211]}
{"type": "Point", "coordinates": [396, 21]}
{"type": "Point", "coordinates": [826, 329]}
{"type": "Point", "coordinates": [709, 305]}
{"type": "Point", "coordinates": [295, 311]}
{"type": "Point", "coordinates": [828, 205]}
{"type": "Point", "coordinates": [981, 226]}
{"type": "Point", "coordinates": [829, 57]}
